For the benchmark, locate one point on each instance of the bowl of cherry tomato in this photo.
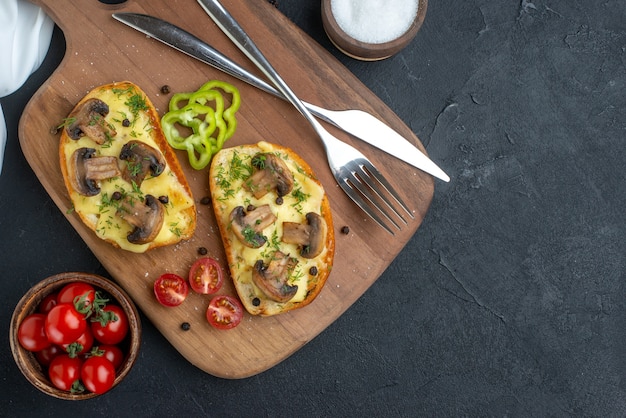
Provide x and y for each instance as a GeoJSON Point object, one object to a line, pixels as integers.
{"type": "Point", "coordinates": [75, 335]}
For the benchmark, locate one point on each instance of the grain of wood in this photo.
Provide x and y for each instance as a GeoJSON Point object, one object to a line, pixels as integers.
{"type": "Point", "coordinates": [101, 50]}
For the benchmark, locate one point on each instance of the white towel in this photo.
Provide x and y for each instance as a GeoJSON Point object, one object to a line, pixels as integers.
{"type": "Point", "coordinates": [25, 33]}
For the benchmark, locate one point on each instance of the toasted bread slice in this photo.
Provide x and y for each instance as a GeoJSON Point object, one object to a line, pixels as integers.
{"type": "Point", "coordinates": [275, 222]}
{"type": "Point", "coordinates": [123, 179]}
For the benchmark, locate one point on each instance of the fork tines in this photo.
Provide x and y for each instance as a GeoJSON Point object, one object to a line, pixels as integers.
{"type": "Point", "coordinates": [362, 183]}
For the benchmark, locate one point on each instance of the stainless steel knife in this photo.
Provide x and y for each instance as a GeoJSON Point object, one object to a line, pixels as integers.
{"type": "Point", "coordinates": [358, 123]}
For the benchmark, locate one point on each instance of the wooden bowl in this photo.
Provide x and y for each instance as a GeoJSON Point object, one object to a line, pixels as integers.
{"type": "Point", "coordinates": [369, 51]}
{"type": "Point", "coordinates": [26, 361]}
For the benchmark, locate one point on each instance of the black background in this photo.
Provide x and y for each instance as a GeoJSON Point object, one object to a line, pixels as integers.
{"type": "Point", "coordinates": [508, 301]}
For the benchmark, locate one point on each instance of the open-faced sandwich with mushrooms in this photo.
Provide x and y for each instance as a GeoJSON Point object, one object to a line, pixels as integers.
{"type": "Point", "coordinates": [123, 179]}
{"type": "Point", "coordinates": [275, 221]}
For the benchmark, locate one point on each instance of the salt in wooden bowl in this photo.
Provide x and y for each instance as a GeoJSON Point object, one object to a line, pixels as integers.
{"type": "Point", "coordinates": [360, 45]}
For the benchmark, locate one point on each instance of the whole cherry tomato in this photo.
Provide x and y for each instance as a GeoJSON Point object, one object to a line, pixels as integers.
{"type": "Point", "coordinates": [45, 356]}
{"type": "Point", "coordinates": [48, 303]}
{"type": "Point", "coordinates": [97, 374]}
{"type": "Point", "coordinates": [82, 344]}
{"type": "Point", "coordinates": [224, 312]}
{"type": "Point", "coordinates": [111, 325]}
{"type": "Point", "coordinates": [77, 293]}
{"type": "Point", "coordinates": [170, 289]}
{"type": "Point", "coordinates": [205, 276]}
{"type": "Point", "coordinates": [32, 334]}
{"type": "Point", "coordinates": [64, 324]}
{"type": "Point", "coordinates": [64, 372]}
{"type": "Point", "coordinates": [112, 353]}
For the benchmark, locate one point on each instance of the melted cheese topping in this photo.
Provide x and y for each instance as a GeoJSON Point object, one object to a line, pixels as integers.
{"type": "Point", "coordinates": [306, 196]}
{"type": "Point", "coordinates": [99, 210]}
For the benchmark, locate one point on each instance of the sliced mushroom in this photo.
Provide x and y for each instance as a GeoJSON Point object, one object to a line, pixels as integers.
{"type": "Point", "coordinates": [87, 170]}
{"type": "Point", "coordinates": [248, 226]}
{"type": "Point", "coordinates": [311, 237]}
{"type": "Point", "coordinates": [88, 120]}
{"type": "Point", "coordinates": [102, 168]}
{"type": "Point", "coordinates": [147, 218]}
{"type": "Point", "coordinates": [272, 278]}
{"type": "Point", "coordinates": [141, 159]}
{"type": "Point", "coordinates": [271, 174]}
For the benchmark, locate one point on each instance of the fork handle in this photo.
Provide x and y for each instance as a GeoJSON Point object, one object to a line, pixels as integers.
{"type": "Point", "coordinates": [235, 32]}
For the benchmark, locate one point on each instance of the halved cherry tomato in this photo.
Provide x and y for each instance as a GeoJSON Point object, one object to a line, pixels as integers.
{"type": "Point", "coordinates": [170, 289]}
{"type": "Point", "coordinates": [64, 324]}
{"type": "Point", "coordinates": [97, 374]}
{"type": "Point", "coordinates": [32, 333]}
{"type": "Point", "coordinates": [224, 312]}
{"type": "Point", "coordinates": [111, 325]}
{"type": "Point", "coordinates": [205, 276]}
{"type": "Point", "coordinates": [64, 372]}
{"type": "Point", "coordinates": [112, 353]}
{"type": "Point", "coordinates": [48, 303]}
{"type": "Point", "coordinates": [77, 293]}
{"type": "Point", "coordinates": [45, 356]}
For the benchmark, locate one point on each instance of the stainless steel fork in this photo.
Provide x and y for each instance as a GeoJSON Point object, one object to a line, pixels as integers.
{"type": "Point", "coordinates": [355, 174]}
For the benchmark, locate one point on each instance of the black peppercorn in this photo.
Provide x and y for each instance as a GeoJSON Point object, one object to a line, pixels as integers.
{"type": "Point", "coordinates": [345, 230]}
{"type": "Point", "coordinates": [164, 199]}
{"type": "Point", "coordinates": [313, 271]}
{"type": "Point", "coordinates": [116, 196]}
{"type": "Point", "coordinates": [279, 200]}
{"type": "Point", "coordinates": [165, 89]}
{"type": "Point", "coordinates": [185, 326]}
{"type": "Point", "coordinates": [205, 200]}
{"type": "Point", "coordinates": [203, 251]}
{"type": "Point", "coordinates": [126, 123]}
{"type": "Point", "coordinates": [256, 301]}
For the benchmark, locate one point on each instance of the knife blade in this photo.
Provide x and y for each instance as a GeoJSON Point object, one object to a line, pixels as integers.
{"type": "Point", "coordinates": [360, 124]}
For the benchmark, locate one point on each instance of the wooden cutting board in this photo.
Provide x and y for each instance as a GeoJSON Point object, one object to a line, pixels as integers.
{"type": "Point", "coordinates": [101, 50]}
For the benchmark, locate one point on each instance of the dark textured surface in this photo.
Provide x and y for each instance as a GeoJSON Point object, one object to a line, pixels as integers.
{"type": "Point", "coordinates": [509, 300]}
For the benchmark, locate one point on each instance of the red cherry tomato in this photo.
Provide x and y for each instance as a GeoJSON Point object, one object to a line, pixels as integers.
{"type": "Point", "coordinates": [97, 374]}
{"type": "Point", "coordinates": [112, 353]}
{"type": "Point", "coordinates": [205, 276]}
{"type": "Point", "coordinates": [82, 344]}
{"type": "Point", "coordinates": [77, 292]}
{"type": "Point", "coordinates": [32, 333]}
{"type": "Point", "coordinates": [48, 303]}
{"type": "Point", "coordinates": [64, 324]}
{"type": "Point", "coordinates": [224, 312]}
{"type": "Point", "coordinates": [64, 371]}
{"type": "Point", "coordinates": [45, 356]}
{"type": "Point", "coordinates": [170, 289]}
{"type": "Point", "coordinates": [113, 327]}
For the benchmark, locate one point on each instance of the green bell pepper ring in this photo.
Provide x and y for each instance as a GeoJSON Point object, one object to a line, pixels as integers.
{"type": "Point", "coordinates": [200, 145]}
{"type": "Point", "coordinates": [229, 113]}
{"type": "Point", "coordinates": [208, 133]}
